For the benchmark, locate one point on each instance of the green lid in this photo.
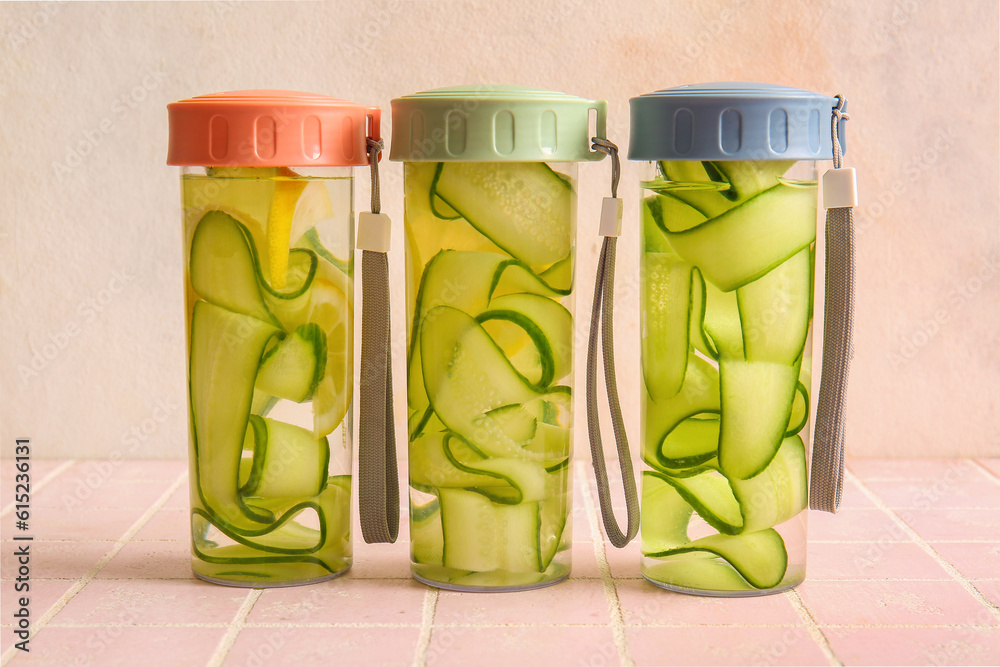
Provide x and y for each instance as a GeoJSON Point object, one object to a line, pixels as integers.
{"type": "Point", "coordinates": [494, 123]}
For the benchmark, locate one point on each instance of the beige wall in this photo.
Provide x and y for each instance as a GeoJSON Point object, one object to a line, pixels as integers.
{"type": "Point", "coordinates": [91, 262]}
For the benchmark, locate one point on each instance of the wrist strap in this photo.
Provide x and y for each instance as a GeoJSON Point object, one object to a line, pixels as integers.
{"type": "Point", "coordinates": [602, 323]}
{"type": "Point", "coordinates": [378, 484]}
{"type": "Point", "coordinates": [839, 198]}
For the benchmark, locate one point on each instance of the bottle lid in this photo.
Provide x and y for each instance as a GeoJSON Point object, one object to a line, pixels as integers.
{"type": "Point", "coordinates": [732, 121]}
{"type": "Point", "coordinates": [494, 123]}
{"type": "Point", "coordinates": [270, 128]}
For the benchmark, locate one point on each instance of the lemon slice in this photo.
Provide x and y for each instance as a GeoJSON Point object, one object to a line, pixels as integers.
{"type": "Point", "coordinates": [331, 310]}
{"type": "Point", "coordinates": [314, 208]}
{"type": "Point", "coordinates": [279, 229]}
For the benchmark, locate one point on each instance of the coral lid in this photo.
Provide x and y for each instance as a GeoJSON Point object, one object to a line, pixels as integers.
{"type": "Point", "coordinates": [270, 128]}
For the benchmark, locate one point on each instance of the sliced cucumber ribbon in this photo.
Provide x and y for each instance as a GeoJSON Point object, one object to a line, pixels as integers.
{"type": "Point", "coordinates": [723, 442]}
{"type": "Point", "coordinates": [251, 344]}
{"type": "Point", "coordinates": [489, 424]}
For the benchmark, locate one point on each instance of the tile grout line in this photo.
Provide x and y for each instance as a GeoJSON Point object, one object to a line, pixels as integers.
{"type": "Point", "coordinates": [990, 475]}
{"type": "Point", "coordinates": [353, 576]}
{"type": "Point", "coordinates": [235, 627]}
{"type": "Point", "coordinates": [610, 588]}
{"type": "Point", "coordinates": [687, 626]}
{"type": "Point", "coordinates": [812, 627]}
{"type": "Point", "coordinates": [104, 560]}
{"type": "Point", "coordinates": [40, 485]}
{"type": "Point", "coordinates": [827, 580]}
{"type": "Point", "coordinates": [927, 548]}
{"type": "Point", "coordinates": [429, 613]}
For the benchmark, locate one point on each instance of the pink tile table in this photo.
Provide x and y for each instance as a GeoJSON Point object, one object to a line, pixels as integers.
{"type": "Point", "coordinates": [908, 573]}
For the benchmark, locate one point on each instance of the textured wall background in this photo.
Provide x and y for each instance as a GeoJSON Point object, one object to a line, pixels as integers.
{"type": "Point", "coordinates": [92, 357]}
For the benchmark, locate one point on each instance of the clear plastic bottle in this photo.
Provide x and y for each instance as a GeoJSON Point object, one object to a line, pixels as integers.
{"type": "Point", "coordinates": [268, 246]}
{"type": "Point", "coordinates": [490, 213]}
{"type": "Point", "coordinates": [729, 213]}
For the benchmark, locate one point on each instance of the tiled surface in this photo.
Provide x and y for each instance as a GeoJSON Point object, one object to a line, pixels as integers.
{"type": "Point", "coordinates": [907, 573]}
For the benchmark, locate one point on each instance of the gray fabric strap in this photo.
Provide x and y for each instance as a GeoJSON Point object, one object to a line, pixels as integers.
{"type": "Point", "coordinates": [378, 484]}
{"type": "Point", "coordinates": [602, 323]}
{"type": "Point", "coordinates": [827, 482]}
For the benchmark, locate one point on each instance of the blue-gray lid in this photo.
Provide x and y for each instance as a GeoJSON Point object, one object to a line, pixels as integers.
{"type": "Point", "coordinates": [732, 121]}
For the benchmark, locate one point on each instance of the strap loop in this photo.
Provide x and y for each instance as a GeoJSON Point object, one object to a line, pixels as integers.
{"type": "Point", "coordinates": [602, 323]}
{"type": "Point", "coordinates": [378, 483]}
{"type": "Point", "coordinates": [827, 483]}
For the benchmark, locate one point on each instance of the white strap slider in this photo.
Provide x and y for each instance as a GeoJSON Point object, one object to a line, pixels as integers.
{"type": "Point", "coordinates": [611, 217]}
{"type": "Point", "coordinates": [373, 231]}
{"type": "Point", "coordinates": [840, 188]}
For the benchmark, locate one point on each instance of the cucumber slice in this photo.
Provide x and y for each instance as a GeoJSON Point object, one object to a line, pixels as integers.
{"type": "Point", "coordinates": [481, 536]}
{"type": "Point", "coordinates": [426, 533]}
{"type": "Point", "coordinates": [800, 410]}
{"type": "Point", "coordinates": [710, 495]}
{"type": "Point", "coordinates": [224, 267]}
{"type": "Point", "coordinates": [691, 443]}
{"type": "Point", "coordinates": [311, 241]}
{"type": "Point", "coordinates": [553, 515]}
{"type": "Point", "coordinates": [699, 394]}
{"type": "Point", "coordinates": [451, 278]}
{"type": "Point", "coordinates": [694, 183]}
{"type": "Point", "coordinates": [653, 239]}
{"type": "Point", "coordinates": [548, 326]}
{"type": "Point", "coordinates": [722, 322]}
{"type": "Point", "coordinates": [670, 214]}
{"type": "Point", "coordinates": [288, 461]}
{"type": "Point", "coordinates": [666, 329]}
{"type": "Point", "coordinates": [298, 274]}
{"type": "Point", "coordinates": [700, 339]}
{"type": "Point", "coordinates": [514, 277]}
{"type": "Point", "coordinates": [523, 207]}
{"type": "Point", "coordinates": [559, 276]}
{"type": "Point", "coordinates": [282, 551]}
{"type": "Point", "coordinates": [759, 557]}
{"type": "Point", "coordinates": [665, 515]}
{"type": "Point", "coordinates": [746, 237]}
{"type": "Point", "coordinates": [505, 481]}
{"type": "Point", "coordinates": [466, 376]}
{"type": "Point", "coordinates": [262, 403]}
{"type": "Point", "coordinates": [775, 310]}
{"type": "Point", "coordinates": [226, 348]}
{"type": "Point", "coordinates": [431, 467]}
{"type": "Point", "coordinates": [440, 207]}
{"type": "Point", "coordinates": [748, 178]}
{"type": "Point", "coordinates": [779, 492]}
{"type": "Point", "coordinates": [756, 407]}
{"type": "Point", "coordinates": [696, 571]}
{"type": "Point", "coordinates": [294, 367]}
{"type": "Point", "coordinates": [746, 242]}
{"type": "Point", "coordinates": [247, 199]}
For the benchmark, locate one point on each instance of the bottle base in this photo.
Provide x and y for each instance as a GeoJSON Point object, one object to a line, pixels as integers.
{"type": "Point", "coordinates": [463, 588]}
{"type": "Point", "coordinates": [243, 583]}
{"type": "Point", "coordinates": [757, 592]}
